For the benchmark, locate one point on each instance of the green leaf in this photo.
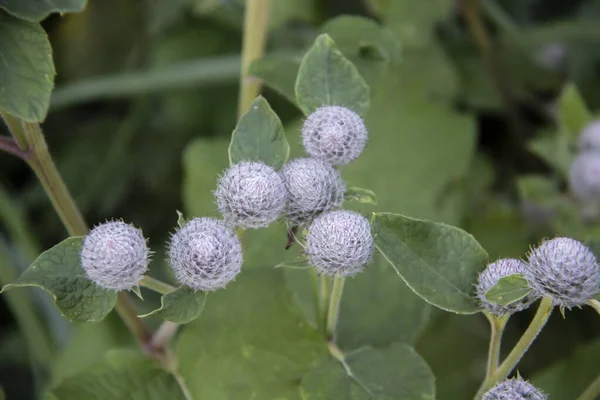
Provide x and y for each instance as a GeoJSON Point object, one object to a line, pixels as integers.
{"type": "Point", "coordinates": [509, 289]}
{"type": "Point", "coordinates": [396, 372]}
{"type": "Point", "coordinates": [251, 342]}
{"type": "Point", "coordinates": [123, 374]}
{"type": "Point", "coordinates": [573, 112]}
{"type": "Point", "coordinates": [58, 271]}
{"type": "Point", "coordinates": [27, 73]}
{"type": "Point", "coordinates": [180, 306]}
{"type": "Point", "coordinates": [36, 10]}
{"type": "Point", "coordinates": [326, 77]}
{"type": "Point", "coordinates": [438, 261]}
{"type": "Point", "coordinates": [259, 136]}
{"type": "Point", "coordinates": [279, 71]}
{"type": "Point", "coordinates": [363, 196]}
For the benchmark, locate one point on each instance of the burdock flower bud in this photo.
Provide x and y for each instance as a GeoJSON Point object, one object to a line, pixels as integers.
{"type": "Point", "coordinates": [339, 243]}
{"type": "Point", "coordinates": [584, 177]}
{"type": "Point", "coordinates": [313, 187]}
{"type": "Point", "coordinates": [250, 195]}
{"type": "Point", "coordinates": [564, 270]}
{"type": "Point", "coordinates": [115, 255]}
{"type": "Point", "coordinates": [335, 134]}
{"type": "Point", "coordinates": [514, 389]}
{"type": "Point", "coordinates": [490, 276]}
{"type": "Point", "coordinates": [205, 254]}
{"type": "Point", "coordinates": [589, 138]}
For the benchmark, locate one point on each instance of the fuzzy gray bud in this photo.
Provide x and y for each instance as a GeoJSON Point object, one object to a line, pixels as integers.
{"type": "Point", "coordinates": [490, 276]}
{"type": "Point", "coordinates": [589, 138]}
{"type": "Point", "coordinates": [205, 254]}
{"type": "Point", "coordinates": [335, 134]}
{"type": "Point", "coordinates": [339, 243]}
{"type": "Point", "coordinates": [514, 389]}
{"type": "Point", "coordinates": [564, 270]}
{"type": "Point", "coordinates": [313, 187]}
{"type": "Point", "coordinates": [115, 255]}
{"type": "Point", "coordinates": [250, 195]}
{"type": "Point", "coordinates": [584, 177]}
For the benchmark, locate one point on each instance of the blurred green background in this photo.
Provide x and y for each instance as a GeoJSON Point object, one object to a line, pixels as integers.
{"type": "Point", "coordinates": [146, 100]}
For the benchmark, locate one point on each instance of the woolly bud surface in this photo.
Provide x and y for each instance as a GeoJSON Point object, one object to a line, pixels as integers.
{"type": "Point", "coordinates": [115, 255]}
{"type": "Point", "coordinates": [339, 243]}
{"type": "Point", "coordinates": [335, 134]}
{"type": "Point", "coordinates": [205, 254]}
{"type": "Point", "coordinates": [313, 187]}
{"type": "Point", "coordinates": [584, 177]}
{"type": "Point", "coordinates": [514, 389]}
{"type": "Point", "coordinates": [250, 195]}
{"type": "Point", "coordinates": [490, 276]}
{"type": "Point", "coordinates": [564, 270]}
{"type": "Point", "coordinates": [589, 138]}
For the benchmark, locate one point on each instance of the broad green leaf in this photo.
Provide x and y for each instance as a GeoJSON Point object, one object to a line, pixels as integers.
{"type": "Point", "coordinates": [438, 261]}
{"type": "Point", "coordinates": [279, 71]}
{"type": "Point", "coordinates": [251, 342]}
{"type": "Point", "coordinates": [364, 196]}
{"type": "Point", "coordinates": [122, 374]}
{"type": "Point", "coordinates": [27, 73]}
{"type": "Point", "coordinates": [573, 112]}
{"type": "Point", "coordinates": [36, 10]}
{"type": "Point", "coordinates": [509, 289]}
{"type": "Point", "coordinates": [259, 136]}
{"type": "Point", "coordinates": [326, 77]}
{"type": "Point", "coordinates": [180, 306]}
{"type": "Point", "coordinates": [58, 271]}
{"type": "Point", "coordinates": [393, 373]}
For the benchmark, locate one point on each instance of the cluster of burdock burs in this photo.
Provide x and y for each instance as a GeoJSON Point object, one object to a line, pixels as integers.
{"type": "Point", "coordinates": [206, 254]}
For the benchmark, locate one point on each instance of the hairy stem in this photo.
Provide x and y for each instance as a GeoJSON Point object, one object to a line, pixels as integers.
{"type": "Point", "coordinates": [156, 285]}
{"type": "Point", "coordinates": [592, 392]}
{"type": "Point", "coordinates": [595, 304]}
{"type": "Point", "coordinates": [537, 324]}
{"type": "Point", "coordinates": [164, 334]}
{"type": "Point", "coordinates": [256, 24]}
{"type": "Point", "coordinates": [334, 306]}
{"type": "Point", "coordinates": [497, 325]}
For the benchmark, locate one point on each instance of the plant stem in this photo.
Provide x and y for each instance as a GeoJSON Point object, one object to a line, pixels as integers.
{"type": "Point", "coordinates": [537, 323]}
{"type": "Point", "coordinates": [135, 325]}
{"type": "Point", "coordinates": [256, 24]}
{"type": "Point", "coordinates": [316, 299]}
{"type": "Point", "coordinates": [595, 304]}
{"type": "Point", "coordinates": [325, 293]}
{"type": "Point", "coordinates": [334, 306]}
{"type": "Point", "coordinates": [497, 325]}
{"type": "Point", "coordinates": [156, 285]}
{"type": "Point", "coordinates": [163, 334]}
{"type": "Point", "coordinates": [592, 391]}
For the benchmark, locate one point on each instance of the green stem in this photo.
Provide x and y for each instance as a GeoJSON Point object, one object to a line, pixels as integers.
{"type": "Point", "coordinates": [156, 285]}
{"type": "Point", "coordinates": [592, 392]}
{"type": "Point", "coordinates": [256, 24]}
{"type": "Point", "coordinates": [537, 323]}
{"type": "Point", "coordinates": [497, 325]}
{"type": "Point", "coordinates": [595, 304]}
{"type": "Point", "coordinates": [316, 298]}
{"type": "Point", "coordinates": [334, 306]}
{"type": "Point", "coordinates": [325, 292]}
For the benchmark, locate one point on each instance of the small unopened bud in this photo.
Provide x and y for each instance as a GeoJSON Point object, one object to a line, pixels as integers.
{"type": "Point", "coordinates": [589, 138]}
{"type": "Point", "coordinates": [490, 276]}
{"type": "Point", "coordinates": [514, 389]}
{"type": "Point", "coordinates": [584, 177]}
{"type": "Point", "coordinates": [250, 195]}
{"type": "Point", "coordinates": [564, 270]}
{"type": "Point", "coordinates": [335, 134]}
{"type": "Point", "coordinates": [115, 255]}
{"type": "Point", "coordinates": [313, 187]}
{"type": "Point", "coordinates": [339, 243]}
{"type": "Point", "coordinates": [205, 254]}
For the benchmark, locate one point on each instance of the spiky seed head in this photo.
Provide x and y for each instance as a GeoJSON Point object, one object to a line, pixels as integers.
{"type": "Point", "coordinates": [589, 138]}
{"type": "Point", "coordinates": [584, 177]}
{"type": "Point", "coordinates": [514, 389]}
{"type": "Point", "coordinates": [250, 195]}
{"type": "Point", "coordinates": [205, 254]}
{"type": "Point", "coordinates": [339, 243]}
{"type": "Point", "coordinates": [313, 187]}
{"type": "Point", "coordinates": [335, 134]}
{"type": "Point", "coordinates": [115, 255]}
{"type": "Point", "coordinates": [490, 276]}
{"type": "Point", "coordinates": [564, 270]}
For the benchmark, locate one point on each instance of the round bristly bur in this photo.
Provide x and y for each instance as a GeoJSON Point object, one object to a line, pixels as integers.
{"type": "Point", "coordinates": [250, 195]}
{"type": "Point", "coordinates": [313, 187]}
{"type": "Point", "coordinates": [335, 134]}
{"type": "Point", "coordinates": [563, 270]}
{"type": "Point", "coordinates": [115, 255]}
{"type": "Point", "coordinates": [514, 389]}
{"type": "Point", "coordinates": [490, 276]}
{"type": "Point", "coordinates": [205, 254]}
{"type": "Point", "coordinates": [589, 138]}
{"type": "Point", "coordinates": [584, 177]}
{"type": "Point", "coordinates": [339, 243]}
